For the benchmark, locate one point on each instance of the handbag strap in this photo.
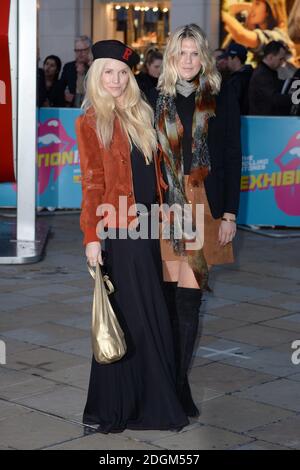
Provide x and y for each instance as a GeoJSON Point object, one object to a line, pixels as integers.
{"type": "Point", "coordinates": [108, 284]}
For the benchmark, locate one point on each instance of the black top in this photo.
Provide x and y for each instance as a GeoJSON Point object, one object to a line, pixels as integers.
{"type": "Point", "coordinates": [144, 180]}
{"type": "Point", "coordinates": [185, 108]}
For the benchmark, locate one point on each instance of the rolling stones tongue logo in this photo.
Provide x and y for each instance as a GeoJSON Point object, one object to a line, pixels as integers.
{"type": "Point", "coordinates": [288, 197]}
{"type": "Point", "coordinates": [53, 140]}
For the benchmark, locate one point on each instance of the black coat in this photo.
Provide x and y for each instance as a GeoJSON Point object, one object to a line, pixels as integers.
{"type": "Point", "coordinates": [265, 98]}
{"type": "Point", "coordinates": [69, 77]}
{"type": "Point", "coordinates": [54, 96]}
{"type": "Point", "coordinates": [224, 142]}
{"type": "Point", "coordinates": [240, 82]}
{"type": "Point", "coordinates": [146, 82]}
{"type": "Point", "coordinates": [223, 183]}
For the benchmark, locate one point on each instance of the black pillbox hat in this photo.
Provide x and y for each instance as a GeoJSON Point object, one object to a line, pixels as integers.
{"type": "Point", "coordinates": [113, 49]}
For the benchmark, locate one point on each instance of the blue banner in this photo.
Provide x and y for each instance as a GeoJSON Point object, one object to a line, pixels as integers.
{"type": "Point", "coordinates": [270, 182]}
{"type": "Point", "coordinates": [58, 184]}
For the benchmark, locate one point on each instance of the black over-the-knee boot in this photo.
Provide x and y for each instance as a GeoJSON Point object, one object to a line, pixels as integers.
{"type": "Point", "coordinates": [188, 303]}
{"type": "Point", "coordinates": [170, 289]}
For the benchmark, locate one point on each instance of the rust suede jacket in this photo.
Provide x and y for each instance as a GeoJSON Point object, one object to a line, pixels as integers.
{"type": "Point", "coordinates": [105, 175]}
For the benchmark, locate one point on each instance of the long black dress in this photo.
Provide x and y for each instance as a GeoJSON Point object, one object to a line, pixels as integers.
{"type": "Point", "coordinates": [137, 392]}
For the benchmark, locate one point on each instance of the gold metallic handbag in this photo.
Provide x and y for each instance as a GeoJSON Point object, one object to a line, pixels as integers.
{"type": "Point", "coordinates": [108, 342]}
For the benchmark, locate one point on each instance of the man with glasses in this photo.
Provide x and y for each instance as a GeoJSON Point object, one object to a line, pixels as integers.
{"type": "Point", "coordinates": [72, 79]}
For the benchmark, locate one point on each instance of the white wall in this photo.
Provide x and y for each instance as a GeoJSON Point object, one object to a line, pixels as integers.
{"type": "Point", "coordinates": [203, 12]}
{"type": "Point", "coordinates": [60, 21]}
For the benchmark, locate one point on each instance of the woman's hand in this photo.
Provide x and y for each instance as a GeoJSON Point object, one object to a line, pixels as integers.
{"type": "Point", "coordinates": [93, 253]}
{"type": "Point", "coordinates": [227, 229]}
{"type": "Point", "coordinates": [239, 33]}
{"type": "Point", "coordinates": [236, 8]}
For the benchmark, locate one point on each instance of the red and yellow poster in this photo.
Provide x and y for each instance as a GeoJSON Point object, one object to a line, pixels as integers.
{"type": "Point", "coordinates": [254, 23]}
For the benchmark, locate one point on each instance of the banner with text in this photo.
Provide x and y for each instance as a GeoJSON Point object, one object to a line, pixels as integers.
{"type": "Point", "coordinates": [270, 182]}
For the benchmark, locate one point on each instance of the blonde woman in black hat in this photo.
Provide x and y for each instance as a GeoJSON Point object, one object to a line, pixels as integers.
{"type": "Point", "coordinates": [117, 146]}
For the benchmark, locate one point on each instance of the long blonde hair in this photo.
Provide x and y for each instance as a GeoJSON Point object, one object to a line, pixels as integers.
{"type": "Point", "coordinates": [167, 80]}
{"type": "Point", "coordinates": [135, 115]}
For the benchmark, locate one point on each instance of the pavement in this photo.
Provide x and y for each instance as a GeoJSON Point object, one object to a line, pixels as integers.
{"type": "Point", "coordinates": [243, 377]}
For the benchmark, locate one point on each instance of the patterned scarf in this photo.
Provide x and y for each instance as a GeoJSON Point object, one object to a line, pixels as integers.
{"type": "Point", "coordinates": [170, 132]}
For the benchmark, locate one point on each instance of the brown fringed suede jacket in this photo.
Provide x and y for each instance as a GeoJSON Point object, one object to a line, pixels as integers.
{"type": "Point", "coordinates": [106, 175]}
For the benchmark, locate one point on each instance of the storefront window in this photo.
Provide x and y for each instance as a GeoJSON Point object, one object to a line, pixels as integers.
{"type": "Point", "coordinates": [143, 24]}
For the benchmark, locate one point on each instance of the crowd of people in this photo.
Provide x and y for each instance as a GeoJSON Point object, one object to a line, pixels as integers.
{"type": "Point", "coordinates": [260, 91]}
{"type": "Point", "coordinates": [68, 89]}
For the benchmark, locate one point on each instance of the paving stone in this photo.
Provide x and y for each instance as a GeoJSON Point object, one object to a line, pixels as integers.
{"type": "Point", "coordinates": [79, 347]}
{"type": "Point", "coordinates": [63, 401]}
{"type": "Point", "coordinates": [288, 322]}
{"type": "Point", "coordinates": [36, 314]}
{"type": "Point", "coordinates": [218, 324]}
{"type": "Point", "coordinates": [285, 432]}
{"type": "Point", "coordinates": [83, 321]}
{"type": "Point", "coordinates": [11, 302]}
{"type": "Point", "coordinates": [202, 394]}
{"type": "Point", "coordinates": [295, 377]}
{"type": "Point", "coordinates": [103, 442]}
{"type": "Point", "coordinates": [289, 302]}
{"type": "Point", "coordinates": [147, 436]}
{"type": "Point", "coordinates": [258, 335]}
{"type": "Point", "coordinates": [282, 393]}
{"type": "Point", "coordinates": [218, 349]}
{"type": "Point", "coordinates": [226, 378]}
{"type": "Point", "coordinates": [25, 389]}
{"type": "Point", "coordinates": [42, 361]}
{"type": "Point", "coordinates": [275, 361]}
{"type": "Point", "coordinates": [249, 312]}
{"type": "Point", "coordinates": [14, 346]}
{"type": "Point", "coordinates": [257, 280]}
{"type": "Point", "coordinates": [84, 300]}
{"type": "Point", "coordinates": [202, 438]}
{"type": "Point", "coordinates": [209, 302]}
{"type": "Point", "coordinates": [8, 410]}
{"type": "Point", "coordinates": [77, 375]}
{"type": "Point", "coordinates": [12, 377]}
{"type": "Point", "coordinates": [238, 414]}
{"type": "Point", "coordinates": [49, 290]}
{"type": "Point", "coordinates": [33, 430]}
{"type": "Point", "coordinates": [238, 292]}
{"type": "Point", "coordinates": [45, 334]}
{"type": "Point", "coordinates": [283, 270]}
{"type": "Point", "coordinates": [260, 445]}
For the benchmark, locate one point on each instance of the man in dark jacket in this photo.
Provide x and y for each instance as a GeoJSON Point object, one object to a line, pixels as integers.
{"type": "Point", "coordinates": [265, 98]}
{"type": "Point", "coordinates": [73, 73]}
{"type": "Point", "coordinates": [240, 74]}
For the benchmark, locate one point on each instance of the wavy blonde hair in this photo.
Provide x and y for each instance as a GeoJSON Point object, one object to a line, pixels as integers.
{"type": "Point", "coordinates": [135, 115]}
{"type": "Point", "coordinates": [167, 80]}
